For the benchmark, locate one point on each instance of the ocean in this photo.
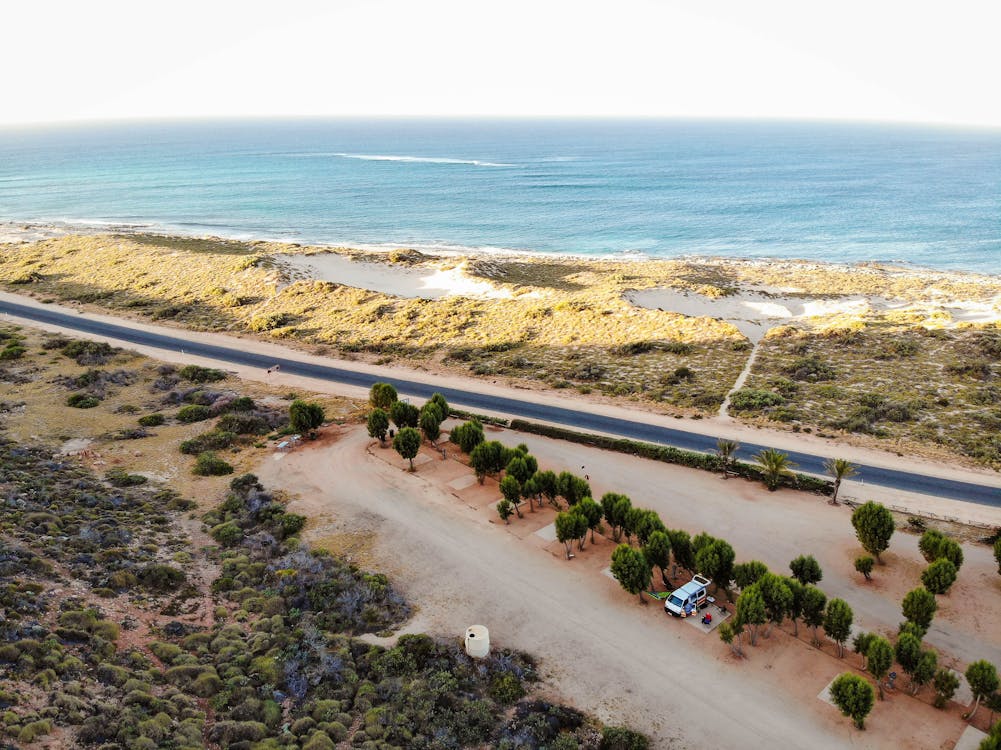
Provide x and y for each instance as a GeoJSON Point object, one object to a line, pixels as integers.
{"type": "Point", "coordinates": [930, 197]}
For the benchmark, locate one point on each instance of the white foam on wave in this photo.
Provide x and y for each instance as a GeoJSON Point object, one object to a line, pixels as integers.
{"type": "Point", "coordinates": [421, 159]}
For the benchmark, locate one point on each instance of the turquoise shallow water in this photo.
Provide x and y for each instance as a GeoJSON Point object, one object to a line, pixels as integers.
{"type": "Point", "coordinates": [841, 193]}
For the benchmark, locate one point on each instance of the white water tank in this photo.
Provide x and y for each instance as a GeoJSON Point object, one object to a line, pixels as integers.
{"type": "Point", "coordinates": [477, 641]}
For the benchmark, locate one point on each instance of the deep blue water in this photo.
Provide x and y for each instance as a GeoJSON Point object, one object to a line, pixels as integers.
{"type": "Point", "coordinates": [840, 193]}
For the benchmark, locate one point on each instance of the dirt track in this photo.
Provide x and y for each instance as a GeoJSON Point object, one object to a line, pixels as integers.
{"type": "Point", "coordinates": [600, 648]}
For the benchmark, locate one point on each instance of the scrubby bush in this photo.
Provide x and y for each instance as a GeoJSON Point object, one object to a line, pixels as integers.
{"type": "Point", "coordinates": [82, 401]}
{"type": "Point", "coordinates": [193, 413]}
{"type": "Point", "coordinates": [216, 439]}
{"type": "Point", "coordinates": [754, 399]}
{"type": "Point", "coordinates": [152, 420]}
{"type": "Point", "coordinates": [210, 465]}
{"type": "Point", "coordinates": [160, 577]}
{"type": "Point", "coordinates": [268, 322]}
{"type": "Point", "coordinates": [197, 374]}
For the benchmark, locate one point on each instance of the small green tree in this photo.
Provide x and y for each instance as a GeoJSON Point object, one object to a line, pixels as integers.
{"type": "Point", "coordinates": [726, 450]}
{"type": "Point", "coordinates": [839, 469]}
{"type": "Point", "coordinates": [658, 553]}
{"type": "Point", "coordinates": [806, 569]}
{"type": "Point", "coordinates": [880, 658]}
{"type": "Point", "coordinates": [873, 526]}
{"type": "Point", "coordinates": [778, 598]}
{"type": "Point", "coordinates": [569, 528]}
{"type": "Point", "coordinates": [407, 443]}
{"type": "Point", "coordinates": [853, 696]}
{"type": "Point", "coordinates": [939, 576]}
{"type": "Point", "coordinates": [860, 645]}
{"type": "Point", "coordinates": [924, 672]}
{"type": "Point", "coordinates": [487, 458]}
{"type": "Point", "coordinates": [983, 680]}
{"type": "Point", "coordinates": [744, 574]}
{"type": "Point", "coordinates": [934, 545]}
{"type": "Point", "coordinates": [304, 417]}
{"type": "Point", "coordinates": [631, 569]}
{"type": "Point", "coordinates": [838, 623]}
{"type": "Point", "coordinates": [993, 739]}
{"type": "Point", "coordinates": [908, 653]}
{"type": "Point", "coordinates": [716, 562]}
{"type": "Point", "coordinates": [646, 524]}
{"type": "Point", "coordinates": [443, 408]}
{"type": "Point", "coordinates": [919, 607]}
{"type": "Point", "coordinates": [467, 435]}
{"type": "Point", "coordinates": [796, 604]}
{"type": "Point", "coordinates": [633, 521]}
{"type": "Point", "coordinates": [378, 424]}
{"type": "Point", "coordinates": [946, 683]}
{"type": "Point", "coordinates": [430, 422]}
{"type": "Point", "coordinates": [814, 603]}
{"type": "Point", "coordinates": [504, 510]}
{"type": "Point", "coordinates": [774, 465]}
{"type": "Point", "coordinates": [404, 414]}
{"type": "Point", "coordinates": [682, 552]}
{"type": "Point", "coordinates": [615, 508]}
{"type": "Point", "coordinates": [517, 467]}
{"type": "Point", "coordinates": [592, 512]}
{"type": "Point", "coordinates": [750, 610]}
{"type": "Point", "coordinates": [572, 488]}
{"type": "Point", "coordinates": [530, 490]}
{"type": "Point", "coordinates": [547, 483]}
{"type": "Point", "coordinates": [864, 566]}
{"type": "Point", "coordinates": [510, 488]}
{"type": "Point", "coordinates": [728, 635]}
{"type": "Point", "coordinates": [382, 395]}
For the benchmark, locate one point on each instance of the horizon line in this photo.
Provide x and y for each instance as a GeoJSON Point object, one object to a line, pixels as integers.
{"type": "Point", "coordinates": [771, 119]}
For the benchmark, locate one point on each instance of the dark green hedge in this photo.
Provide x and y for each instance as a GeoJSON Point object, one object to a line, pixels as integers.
{"type": "Point", "coordinates": [669, 454]}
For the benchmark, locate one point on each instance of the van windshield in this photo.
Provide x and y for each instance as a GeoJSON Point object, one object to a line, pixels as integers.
{"type": "Point", "coordinates": [677, 602]}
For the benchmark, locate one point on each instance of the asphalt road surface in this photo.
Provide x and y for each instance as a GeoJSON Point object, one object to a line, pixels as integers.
{"type": "Point", "coordinates": [578, 420]}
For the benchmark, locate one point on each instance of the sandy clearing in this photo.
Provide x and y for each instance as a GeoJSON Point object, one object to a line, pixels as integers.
{"type": "Point", "coordinates": [602, 650]}
{"type": "Point", "coordinates": [756, 309]}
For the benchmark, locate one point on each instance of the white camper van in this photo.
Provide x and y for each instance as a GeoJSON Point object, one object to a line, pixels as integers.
{"type": "Point", "coordinates": [689, 599]}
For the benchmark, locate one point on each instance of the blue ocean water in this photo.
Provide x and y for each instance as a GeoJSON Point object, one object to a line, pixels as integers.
{"type": "Point", "coordinates": [833, 192]}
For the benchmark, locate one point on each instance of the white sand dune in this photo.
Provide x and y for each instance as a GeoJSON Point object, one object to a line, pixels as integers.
{"type": "Point", "coordinates": [755, 310]}
{"type": "Point", "coordinates": [428, 282]}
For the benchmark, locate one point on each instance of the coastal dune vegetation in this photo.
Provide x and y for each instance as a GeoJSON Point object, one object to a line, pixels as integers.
{"type": "Point", "coordinates": [909, 376]}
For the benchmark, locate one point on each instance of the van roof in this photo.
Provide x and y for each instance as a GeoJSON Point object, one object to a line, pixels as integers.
{"type": "Point", "coordinates": [690, 588]}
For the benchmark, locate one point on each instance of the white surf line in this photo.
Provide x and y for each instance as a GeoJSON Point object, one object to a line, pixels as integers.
{"type": "Point", "coordinates": [739, 383]}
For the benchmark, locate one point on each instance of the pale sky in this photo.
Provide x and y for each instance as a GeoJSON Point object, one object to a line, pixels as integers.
{"type": "Point", "coordinates": [878, 59]}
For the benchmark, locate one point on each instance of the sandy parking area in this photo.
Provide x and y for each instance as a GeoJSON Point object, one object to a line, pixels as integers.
{"type": "Point", "coordinates": [437, 536]}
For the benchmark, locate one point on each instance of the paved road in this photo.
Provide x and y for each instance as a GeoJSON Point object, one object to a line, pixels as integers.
{"type": "Point", "coordinates": [578, 420]}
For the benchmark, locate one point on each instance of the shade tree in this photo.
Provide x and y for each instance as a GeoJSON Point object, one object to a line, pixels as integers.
{"type": "Point", "coordinates": [814, 605]}
{"type": "Point", "coordinates": [407, 443]}
{"type": "Point", "coordinates": [572, 488]}
{"type": "Point", "coordinates": [860, 645]}
{"type": "Point", "coordinates": [592, 512]}
{"type": "Point", "coordinates": [378, 425]}
{"type": "Point", "coordinates": [806, 569]}
{"type": "Point", "coordinates": [982, 677]}
{"type": "Point", "coordinates": [919, 607]}
{"type": "Point", "coordinates": [854, 697]}
{"type": "Point", "coordinates": [939, 576]}
{"type": "Point", "coordinates": [744, 574]}
{"type": "Point", "coordinates": [795, 610]}
{"type": "Point", "coordinates": [569, 528]}
{"type": "Point", "coordinates": [750, 610]}
{"type": "Point", "coordinates": [615, 508]}
{"type": "Point", "coordinates": [682, 552]}
{"type": "Point", "coordinates": [430, 421]}
{"type": "Point", "coordinates": [873, 526]}
{"type": "Point", "coordinates": [305, 416]}
{"type": "Point", "coordinates": [934, 545]}
{"type": "Point", "coordinates": [382, 395]}
{"type": "Point", "coordinates": [777, 596]}
{"type": "Point", "coordinates": [838, 623]}
{"type": "Point", "coordinates": [467, 435]}
{"type": "Point", "coordinates": [658, 553]}
{"type": "Point", "coordinates": [631, 569]}
{"type": "Point", "coordinates": [715, 561]}
{"type": "Point", "coordinates": [404, 414]}
{"type": "Point", "coordinates": [946, 683]}
{"type": "Point", "coordinates": [880, 658]}
{"type": "Point", "coordinates": [510, 489]}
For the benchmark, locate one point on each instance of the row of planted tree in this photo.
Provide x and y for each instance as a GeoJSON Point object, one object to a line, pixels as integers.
{"type": "Point", "coordinates": [766, 599]}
